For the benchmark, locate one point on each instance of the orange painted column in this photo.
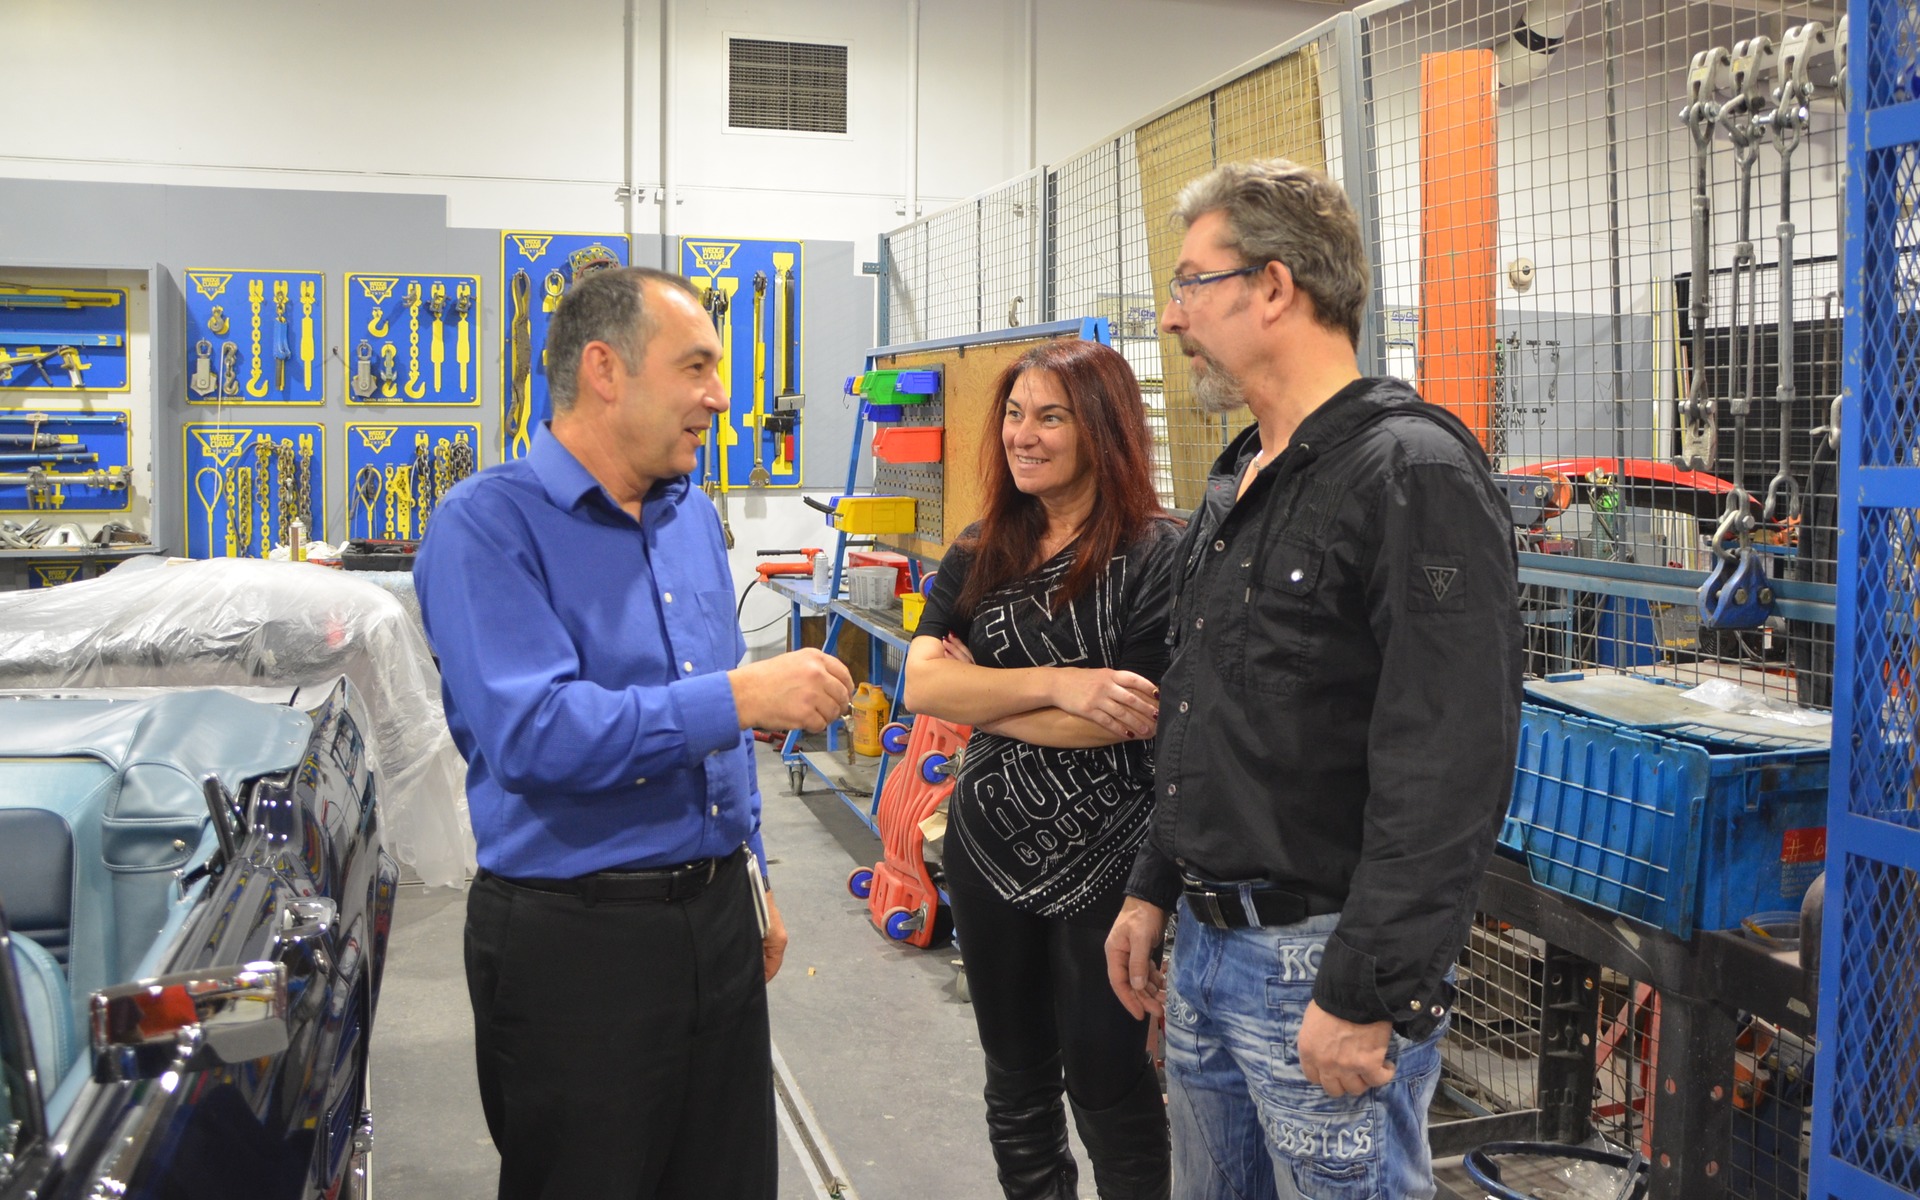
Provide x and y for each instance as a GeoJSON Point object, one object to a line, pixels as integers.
{"type": "Point", "coordinates": [1459, 234]}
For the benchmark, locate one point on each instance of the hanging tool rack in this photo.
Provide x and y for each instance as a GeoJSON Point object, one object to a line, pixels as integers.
{"type": "Point", "coordinates": [255, 337]}
{"type": "Point", "coordinates": [536, 270]}
{"type": "Point", "coordinates": [412, 339]}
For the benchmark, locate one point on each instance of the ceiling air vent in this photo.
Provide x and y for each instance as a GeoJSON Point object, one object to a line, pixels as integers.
{"type": "Point", "coordinates": [800, 86]}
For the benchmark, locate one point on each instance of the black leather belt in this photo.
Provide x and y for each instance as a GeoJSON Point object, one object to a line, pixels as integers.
{"type": "Point", "coordinates": [1224, 909]}
{"type": "Point", "coordinates": [670, 884]}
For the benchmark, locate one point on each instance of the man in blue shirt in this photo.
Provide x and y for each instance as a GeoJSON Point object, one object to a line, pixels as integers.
{"type": "Point", "coordinates": [581, 606]}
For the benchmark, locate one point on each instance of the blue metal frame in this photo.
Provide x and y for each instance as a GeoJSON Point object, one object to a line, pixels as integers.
{"type": "Point", "coordinates": [839, 612]}
{"type": "Point", "coordinates": [1857, 845]}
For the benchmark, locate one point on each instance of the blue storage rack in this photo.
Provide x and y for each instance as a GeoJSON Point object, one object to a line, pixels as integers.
{"type": "Point", "coordinates": [1866, 1113]}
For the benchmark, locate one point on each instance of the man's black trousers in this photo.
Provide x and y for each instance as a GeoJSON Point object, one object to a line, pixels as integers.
{"type": "Point", "coordinates": [622, 1046]}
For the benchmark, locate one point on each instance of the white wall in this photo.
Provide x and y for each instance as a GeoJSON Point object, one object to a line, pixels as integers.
{"type": "Point", "coordinates": [514, 112]}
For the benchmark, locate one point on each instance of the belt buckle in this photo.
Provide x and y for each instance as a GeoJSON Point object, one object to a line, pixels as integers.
{"type": "Point", "coordinates": [1207, 906]}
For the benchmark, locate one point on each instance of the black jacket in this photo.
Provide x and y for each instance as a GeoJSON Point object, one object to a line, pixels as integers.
{"type": "Point", "coordinates": [1341, 713]}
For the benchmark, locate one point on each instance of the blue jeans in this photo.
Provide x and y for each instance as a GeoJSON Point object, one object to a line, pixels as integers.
{"type": "Point", "coordinates": [1246, 1122]}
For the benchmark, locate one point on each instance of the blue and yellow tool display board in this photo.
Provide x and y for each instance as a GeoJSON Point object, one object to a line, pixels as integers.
{"type": "Point", "coordinates": [246, 483]}
{"type": "Point", "coordinates": [536, 269]}
{"type": "Point", "coordinates": [52, 574]}
{"type": "Point", "coordinates": [411, 339]}
{"type": "Point", "coordinates": [396, 474]}
{"type": "Point", "coordinates": [60, 461]}
{"type": "Point", "coordinates": [256, 337]}
{"type": "Point", "coordinates": [752, 291]}
{"type": "Point", "coordinates": [63, 339]}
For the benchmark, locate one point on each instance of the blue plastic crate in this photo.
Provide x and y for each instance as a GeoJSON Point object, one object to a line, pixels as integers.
{"type": "Point", "coordinates": [1663, 830]}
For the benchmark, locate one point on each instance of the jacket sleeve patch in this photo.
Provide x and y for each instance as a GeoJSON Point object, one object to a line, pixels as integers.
{"type": "Point", "coordinates": [1438, 584]}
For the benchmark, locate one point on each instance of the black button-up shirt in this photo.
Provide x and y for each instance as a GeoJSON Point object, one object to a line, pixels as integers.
{"type": "Point", "coordinates": [1341, 713]}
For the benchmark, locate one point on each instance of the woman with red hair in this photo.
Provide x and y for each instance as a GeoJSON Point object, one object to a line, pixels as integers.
{"type": "Point", "coordinates": [1046, 631]}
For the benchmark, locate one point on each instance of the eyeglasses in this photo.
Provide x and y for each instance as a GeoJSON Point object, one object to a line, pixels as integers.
{"type": "Point", "coordinates": [1182, 283]}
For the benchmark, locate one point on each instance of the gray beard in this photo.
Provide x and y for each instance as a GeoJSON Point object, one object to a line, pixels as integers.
{"type": "Point", "coordinates": [1217, 392]}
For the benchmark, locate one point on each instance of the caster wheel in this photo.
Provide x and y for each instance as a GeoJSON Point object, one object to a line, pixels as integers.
{"type": "Point", "coordinates": [926, 583]}
{"type": "Point", "coordinates": [897, 924]}
{"type": "Point", "coordinates": [893, 737]}
{"type": "Point", "coordinates": [860, 882]}
{"type": "Point", "coordinates": [796, 777]}
{"type": "Point", "coordinates": [931, 768]}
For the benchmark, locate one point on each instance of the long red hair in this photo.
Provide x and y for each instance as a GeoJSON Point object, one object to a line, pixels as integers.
{"type": "Point", "coordinates": [1111, 423]}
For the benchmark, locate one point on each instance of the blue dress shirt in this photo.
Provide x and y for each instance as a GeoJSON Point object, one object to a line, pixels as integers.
{"type": "Point", "coordinates": [583, 659]}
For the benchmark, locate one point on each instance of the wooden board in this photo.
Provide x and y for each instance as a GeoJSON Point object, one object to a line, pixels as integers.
{"type": "Point", "coordinates": [968, 375]}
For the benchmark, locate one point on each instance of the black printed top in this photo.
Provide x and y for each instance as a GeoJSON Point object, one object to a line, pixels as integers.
{"type": "Point", "coordinates": [1054, 832]}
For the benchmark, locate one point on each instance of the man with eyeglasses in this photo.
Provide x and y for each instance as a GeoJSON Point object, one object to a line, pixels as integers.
{"type": "Point", "coordinates": [1338, 722]}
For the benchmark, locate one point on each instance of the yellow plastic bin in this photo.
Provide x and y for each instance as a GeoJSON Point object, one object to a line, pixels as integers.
{"type": "Point", "coordinates": [911, 606]}
{"type": "Point", "coordinates": [874, 514]}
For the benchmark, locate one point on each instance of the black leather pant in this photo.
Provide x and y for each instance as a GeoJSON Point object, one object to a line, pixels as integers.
{"type": "Point", "coordinates": [1047, 1018]}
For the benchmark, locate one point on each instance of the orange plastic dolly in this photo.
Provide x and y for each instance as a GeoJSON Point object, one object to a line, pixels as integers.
{"type": "Point", "coordinates": [901, 897]}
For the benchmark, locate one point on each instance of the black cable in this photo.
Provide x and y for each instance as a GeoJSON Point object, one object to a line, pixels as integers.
{"type": "Point", "coordinates": [768, 625]}
{"type": "Point", "coordinates": [742, 606]}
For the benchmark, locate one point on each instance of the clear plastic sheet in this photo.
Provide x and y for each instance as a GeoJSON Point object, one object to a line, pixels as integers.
{"type": "Point", "coordinates": [238, 622]}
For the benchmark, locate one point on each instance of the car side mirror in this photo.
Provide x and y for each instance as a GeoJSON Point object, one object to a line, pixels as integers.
{"type": "Point", "coordinates": [220, 1016]}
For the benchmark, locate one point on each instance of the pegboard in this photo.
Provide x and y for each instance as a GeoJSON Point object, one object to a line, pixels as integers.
{"type": "Point", "coordinates": [412, 339]}
{"type": "Point", "coordinates": [65, 462]}
{"type": "Point", "coordinates": [752, 290]}
{"type": "Point", "coordinates": [256, 337]}
{"type": "Point", "coordinates": [968, 370]}
{"type": "Point", "coordinates": [63, 339]}
{"type": "Point", "coordinates": [246, 484]}
{"type": "Point", "coordinates": [394, 475]}
{"type": "Point", "coordinates": [536, 269]}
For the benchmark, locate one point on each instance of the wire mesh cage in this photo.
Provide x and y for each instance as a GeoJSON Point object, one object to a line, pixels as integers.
{"type": "Point", "coordinates": [1606, 234]}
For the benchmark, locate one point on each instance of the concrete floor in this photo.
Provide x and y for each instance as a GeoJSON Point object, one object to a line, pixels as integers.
{"type": "Point", "coordinates": [872, 1033]}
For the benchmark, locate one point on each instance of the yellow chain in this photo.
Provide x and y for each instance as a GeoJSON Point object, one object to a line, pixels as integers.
{"type": "Point", "coordinates": [263, 467]}
{"type": "Point", "coordinates": [233, 538]}
{"type": "Point", "coordinates": [244, 490]}
{"type": "Point", "coordinates": [256, 296]}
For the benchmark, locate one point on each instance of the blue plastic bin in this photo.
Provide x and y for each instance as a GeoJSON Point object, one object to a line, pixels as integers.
{"type": "Point", "coordinates": [1678, 834]}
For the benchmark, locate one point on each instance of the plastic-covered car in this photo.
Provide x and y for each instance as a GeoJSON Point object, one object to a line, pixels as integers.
{"type": "Point", "coordinates": [196, 908]}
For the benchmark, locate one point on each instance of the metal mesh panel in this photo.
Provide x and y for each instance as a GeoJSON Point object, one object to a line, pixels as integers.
{"type": "Point", "coordinates": [1110, 241]}
{"type": "Point", "coordinates": [1574, 246]}
{"type": "Point", "coordinates": [1875, 1121]}
{"type": "Point", "coordinates": [1489, 1058]}
{"type": "Point", "coordinates": [1885, 762]}
{"type": "Point", "coordinates": [1893, 56]}
{"type": "Point", "coordinates": [1099, 268]}
{"type": "Point", "coordinates": [1890, 333]}
{"type": "Point", "coordinates": [971, 268]}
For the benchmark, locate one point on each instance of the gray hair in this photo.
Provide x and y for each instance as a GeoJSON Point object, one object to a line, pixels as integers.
{"type": "Point", "coordinates": [1279, 211]}
{"type": "Point", "coordinates": [606, 306]}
